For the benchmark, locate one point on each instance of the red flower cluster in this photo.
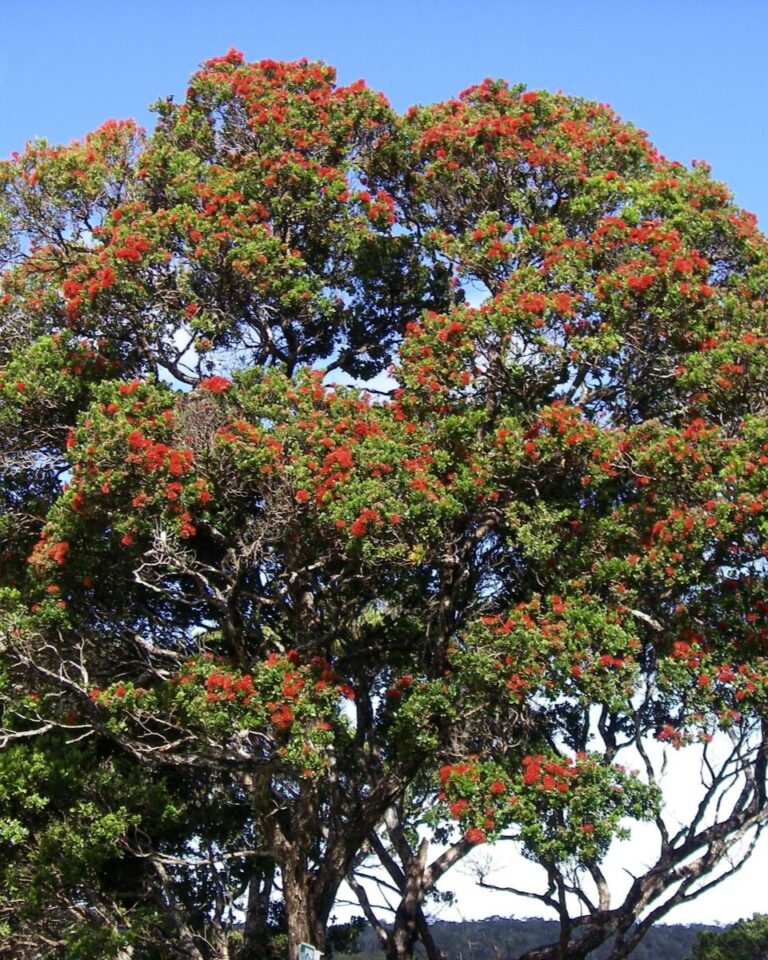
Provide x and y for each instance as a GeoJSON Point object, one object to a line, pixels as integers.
{"type": "Point", "coordinates": [224, 686]}
{"type": "Point", "coordinates": [549, 775]}
{"type": "Point", "coordinates": [359, 527]}
{"type": "Point", "coordinates": [215, 384]}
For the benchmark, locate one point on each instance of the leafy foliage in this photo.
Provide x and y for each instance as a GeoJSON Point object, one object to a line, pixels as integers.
{"type": "Point", "coordinates": [747, 939]}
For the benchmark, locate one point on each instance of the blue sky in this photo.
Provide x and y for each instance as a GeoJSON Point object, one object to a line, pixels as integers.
{"type": "Point", "coordinates": [690, 72]}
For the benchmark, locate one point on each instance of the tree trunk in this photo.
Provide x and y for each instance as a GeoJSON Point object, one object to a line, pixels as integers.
{"type": "Point", "coordinates": [304, 925]}
{"type": "Point", "coordinates": [405, 932]}
{"type": "Point", "coordinates": [256, 926]}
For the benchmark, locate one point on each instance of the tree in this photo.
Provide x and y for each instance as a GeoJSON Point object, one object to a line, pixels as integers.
{"type": "Point", "coordinates": [745, 940]}
{"type": "Point", "coordinates": [256, 626]}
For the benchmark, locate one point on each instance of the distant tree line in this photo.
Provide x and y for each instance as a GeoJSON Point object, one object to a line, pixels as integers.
{"type": "Point", "coordinates": [498, 938]}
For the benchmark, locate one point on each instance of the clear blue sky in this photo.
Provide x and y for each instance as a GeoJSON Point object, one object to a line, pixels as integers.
{"type": "Point", "coordinates": [690, 72]}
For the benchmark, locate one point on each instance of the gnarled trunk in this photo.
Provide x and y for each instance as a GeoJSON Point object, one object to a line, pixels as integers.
{"type": "Point", "coordinates": [304, 923]}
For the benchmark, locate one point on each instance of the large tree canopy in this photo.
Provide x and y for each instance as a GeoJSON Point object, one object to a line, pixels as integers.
{"type": "Point", "coordinates": [259, 627]}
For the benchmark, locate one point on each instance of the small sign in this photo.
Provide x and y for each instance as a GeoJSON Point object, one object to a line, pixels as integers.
{"type": "Point", "coordinates": [308, 952]}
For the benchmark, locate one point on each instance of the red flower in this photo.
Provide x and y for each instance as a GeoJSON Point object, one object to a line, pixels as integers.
{"type": "Point", "coordinates": [445, 772]}
{"type": "Point", "coordinates": [128, 253]}
{"type": "Point", "coordinates": [342, 456]}
{"type": "Point", "coordinates": [70, 288]}
{"type": "Point", "coordinates": [532, 770]}
{"type": "Point", "coordinates": [128, 388]}
{"type": "Point", "coordinates": [475, 835]}
{"type": "Point", "coordinates": [215, 384]}
{"type": "Point", "coordinates": [641, 282]}
{"type": "Point", "coordinates": [58, 552]}
{"type": "Point", "coordinates": [174, 490]}
{"type": "Point", "coordinates": [532, 302]}
{"type": "Point", "coordinates": [283, 717]}
{"type": "Point", "coordinates": [106, 277]}
{"type": "Point", "coordinates": [562, 303]}
{"type": "Point", "coordinates": [179, 461]}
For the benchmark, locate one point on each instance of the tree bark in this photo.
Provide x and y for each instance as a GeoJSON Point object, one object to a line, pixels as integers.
{"type": "Point", "coordinates": [255, 928]}
{"type": "Point", "coordinates": [304, 924]}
